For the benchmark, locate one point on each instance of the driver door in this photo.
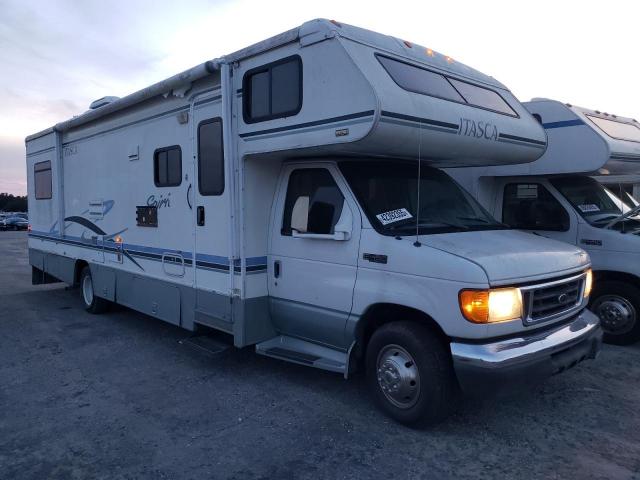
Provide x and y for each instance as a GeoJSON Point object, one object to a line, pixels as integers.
{"type": "Point", "coordinates": [313, 254]}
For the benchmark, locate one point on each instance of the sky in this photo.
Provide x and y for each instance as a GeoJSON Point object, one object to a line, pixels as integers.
{"type": "Point", "coordinates": [57, 56]}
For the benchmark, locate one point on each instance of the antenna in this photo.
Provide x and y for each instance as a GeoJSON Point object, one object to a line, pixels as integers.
{"type": "Point", "coordinates": [417, 242]}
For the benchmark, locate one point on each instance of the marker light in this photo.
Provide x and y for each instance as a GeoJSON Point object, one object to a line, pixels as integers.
{"type": "Point", "coordinates": [490, 306]}
{"type": "Point", "coordinates": [430, 53]}
{"type": "Point", "coordinates": [588, 283]}
{"type": "Point", "coordinates": [449, 60]}
{"type": "Point", "coordinates": [118, 239]}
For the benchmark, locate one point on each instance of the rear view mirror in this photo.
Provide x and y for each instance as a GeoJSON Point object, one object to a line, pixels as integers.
{"type": "Point", "coordinates": [300, 215]}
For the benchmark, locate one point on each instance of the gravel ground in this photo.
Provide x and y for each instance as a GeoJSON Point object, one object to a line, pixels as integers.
{"type": "Point", "coordinates": [119, 396]}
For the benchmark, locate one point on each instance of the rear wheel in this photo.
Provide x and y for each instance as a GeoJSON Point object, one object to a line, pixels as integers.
{"type": "Point", "coordinates": [92, 303]}
{"type": "Point", "coordinates": [617, 304]}
{"type": "Point", "coordinates": [410, 374]}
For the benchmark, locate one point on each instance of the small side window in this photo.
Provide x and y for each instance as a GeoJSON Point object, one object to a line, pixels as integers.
{"type": "Point", "coordinates": [273, 91]}
{"type": "Point", "coordinates": [42, 180]}
{"type": "Point", "coordinates": [210, 157]}
{"type": "Point", "coordinates": [314, 202]}
{"type": "Point", "coordinates": [167, 166]}
{"type": "Point", "coordinates": [530, 206]}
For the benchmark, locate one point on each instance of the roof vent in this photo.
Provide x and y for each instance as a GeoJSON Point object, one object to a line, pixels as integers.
{"type": "Point", "coordinates": [101, 102]}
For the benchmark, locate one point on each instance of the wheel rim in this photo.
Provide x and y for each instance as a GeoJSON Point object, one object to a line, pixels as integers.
{"type": "Point", "coordinates": [87, 290]}
{"type": "Point", "coordinates": [617, 314]}
{"type": "Point", "coordinates": [398, 376]}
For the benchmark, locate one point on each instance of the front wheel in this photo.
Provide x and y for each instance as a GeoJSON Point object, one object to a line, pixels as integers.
{"type": "Point", "coordinates": [410, 373]}
{"type": "Point", "coordinates": [92, 303]}
{"type": "Point", "coordinates": [617, 304]}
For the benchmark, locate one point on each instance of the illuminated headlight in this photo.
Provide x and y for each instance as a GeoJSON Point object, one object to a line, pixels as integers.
{"type": "Point", "coordinates": [588, 283]}
{"type": "Point", "coordinates": [490, 306]}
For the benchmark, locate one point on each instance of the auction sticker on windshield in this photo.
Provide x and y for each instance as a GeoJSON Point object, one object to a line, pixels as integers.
{"type": "Point", "coordinates": [393, 216]}
{"type": "Point", "coordinates": [590, 207]}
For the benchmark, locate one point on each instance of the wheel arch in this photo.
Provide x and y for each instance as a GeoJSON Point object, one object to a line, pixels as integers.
{"type": "Point", "coordinates": [379, 314]}
{"type": "Point", "coordinates": [77, 271]}
{"type": "Point", "coordinates": [612, 275]}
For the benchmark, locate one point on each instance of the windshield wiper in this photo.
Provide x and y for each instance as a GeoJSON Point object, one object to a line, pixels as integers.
{"type": "Point", "coordinates": [428, 224]}
{"type": "Point", "coordinates": [624, 216]}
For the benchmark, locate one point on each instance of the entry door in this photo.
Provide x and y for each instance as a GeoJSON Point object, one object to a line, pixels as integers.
{"type": "Point", "coordinates": [536, 206]}
{"type": "Point", "coordinates": [211, 212]}
{"type": "Point", "coordinates": [313, 254]}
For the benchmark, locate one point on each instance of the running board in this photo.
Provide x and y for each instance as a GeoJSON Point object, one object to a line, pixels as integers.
{"type": "Point", "coordinates": [304, 353]}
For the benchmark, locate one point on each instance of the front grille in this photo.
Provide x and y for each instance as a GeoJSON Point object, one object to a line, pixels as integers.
{"type": "Point", "coordinates": [549, 300]}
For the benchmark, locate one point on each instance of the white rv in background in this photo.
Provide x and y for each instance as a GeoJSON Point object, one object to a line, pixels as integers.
{"type": "Point", "coordinates": [556, 197]}
{"type": "Point", "coordinates": [287, 195]}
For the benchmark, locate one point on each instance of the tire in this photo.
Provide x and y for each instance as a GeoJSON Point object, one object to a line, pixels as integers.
{"type": "Point", "coordinates": [92, 303]}
{"type": "Point", "coordinates": [410, 374]}
{"type": "Point", "coordinates": [617, 304]}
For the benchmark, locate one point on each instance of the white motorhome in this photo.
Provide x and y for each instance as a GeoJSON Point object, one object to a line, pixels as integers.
{"type": "Point", "coordinates": [272, 194]}
{"type": "Point", "coordinates": [556, 197]}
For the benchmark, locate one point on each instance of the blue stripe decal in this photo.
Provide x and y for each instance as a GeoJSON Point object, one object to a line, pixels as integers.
{"type": "Point", "coordinates": [563, 124]}
{"type": "Point", "coordinates": [207, 261]}
{"type": "Point", "coordinates": [298, 126]}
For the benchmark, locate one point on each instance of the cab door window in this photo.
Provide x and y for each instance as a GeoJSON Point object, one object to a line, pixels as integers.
{"type": "Point", "coordinates": [531, 206]}
{"type": "Point", "coordinates": [313, 204]}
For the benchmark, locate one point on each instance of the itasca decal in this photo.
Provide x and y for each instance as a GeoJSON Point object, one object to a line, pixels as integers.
{"type": "Point", "coordinates": [471, 128]}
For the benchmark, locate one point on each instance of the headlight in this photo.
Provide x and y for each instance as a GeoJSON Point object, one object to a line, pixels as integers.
{"type": "Point", "coordinates": [588, 283]}
{"type": "Point", "coordinates": [490, 306]}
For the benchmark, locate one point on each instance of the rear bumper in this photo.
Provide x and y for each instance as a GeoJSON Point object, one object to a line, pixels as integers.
{"type": "Point", "coordinates": [518, 362]}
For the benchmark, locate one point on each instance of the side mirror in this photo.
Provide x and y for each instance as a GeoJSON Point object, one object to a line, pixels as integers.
{"type": "Point", "coordinates": [300, 215]}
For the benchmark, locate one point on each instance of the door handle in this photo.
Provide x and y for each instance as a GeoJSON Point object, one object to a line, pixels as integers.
{"type": "Point", "coordinates": [200, 215]}
{"type": "Point", "coordinates": [276, 269]}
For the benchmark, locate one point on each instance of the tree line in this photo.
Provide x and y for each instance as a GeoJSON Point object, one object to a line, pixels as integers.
{"type": "Point", "coordinates": [12, 203]}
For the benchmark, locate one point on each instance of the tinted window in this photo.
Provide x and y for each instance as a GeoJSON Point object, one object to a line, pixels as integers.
{"type": "Point", "coordinates": [42, 180]}
{"type": "Point", "coordinates": [273, 90]}
{"type": "Point", "coordinates": [420, 80]}
{"type": "Point", "coordinates": [210, 157]}
{"type": "Point", "coordinates": [530, 206]}
{"type": "Point", "coordinates": [325, 200]}
{"type": "Point", "coordinates": [167, 167]}
{"type": "Point", "coordinates": [482, 97]}
{"type": "Point", "coordinates": [619, 130]}
{"type": "Point", "coordinates": [259, 95]}
{"type": "Point", "coordinates": [285, 87]}
{"type": "Point", "coordinates": [426, 82]}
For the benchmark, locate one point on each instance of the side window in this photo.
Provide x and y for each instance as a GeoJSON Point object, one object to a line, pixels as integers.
{"type": "Point", "coordinates": [167, 166]}
{"type": "Point", "coordinates": [530, 206]}
{"type": "Point", "coordinates": [42, 180]}
{"type": "Point", "coordinates": [273, 90]}
{"type": "Point", "coordinates": [314, 202]}
{"type": "Point", "coordinates": [210, 157]}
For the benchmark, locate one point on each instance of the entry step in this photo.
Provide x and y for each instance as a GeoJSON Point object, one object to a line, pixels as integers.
{"type": "Point", "coordinates": [205, 344]}
{"type": "Point", "coordinates": [304, 353]}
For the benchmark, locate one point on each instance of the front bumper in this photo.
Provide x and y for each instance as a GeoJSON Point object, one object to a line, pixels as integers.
{"type": "Point", "coordinates": [521, 361]}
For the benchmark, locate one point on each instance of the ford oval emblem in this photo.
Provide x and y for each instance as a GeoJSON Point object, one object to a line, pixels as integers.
{"type": "Point", "coordinates": [563, 298]}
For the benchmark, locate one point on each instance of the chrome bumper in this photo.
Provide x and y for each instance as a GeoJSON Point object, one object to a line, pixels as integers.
{"type": "Point", "coordinates": [520, 361]}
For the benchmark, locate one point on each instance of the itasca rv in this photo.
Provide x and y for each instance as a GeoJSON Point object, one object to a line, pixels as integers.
{"type": "Point", "coordinates": [287, 194]}
{"type": "Point", "coordinates": [555, 197]}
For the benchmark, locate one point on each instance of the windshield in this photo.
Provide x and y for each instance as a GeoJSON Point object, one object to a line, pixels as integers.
{"type": "Point", "coordinates": [388, 193]}
{"type": "Point", "coordinates": [595, 203]}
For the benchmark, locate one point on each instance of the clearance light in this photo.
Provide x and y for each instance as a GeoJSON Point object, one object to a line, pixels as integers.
{"type": "Point", "coordinates": [490, 306]}
{"type": "Point", "coordinates": [408, 44]}
{"type": "Point", "coordinates": [588, 283]}
{"type": "Point", "coordinates": [430, 53]}
{"type": "Point", "coordinates": [449, 60]}
{"type": "Point", "coordinates": [118, 239]}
